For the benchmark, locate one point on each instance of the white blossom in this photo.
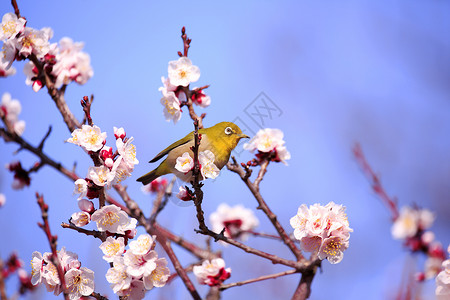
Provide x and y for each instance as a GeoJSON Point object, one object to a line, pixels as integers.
{"type": "Point", "coordinates": [184, 163]}
{"type": "Point", "coordinates": [172, 106]}
{"type": "Point", "coordinates": [110, 218]}
{"type": "Point", "coordinates": [11, 26]}
{"type": "Point", "coordinates": [71, 63]}
{"type": "Point", "coordinates": [322, 229]}
{"type": "Point", "coordinates": [208, 168]}
{"type": "Point", "coordinates": [80, 188]}
{"type": "Point", "coordinates": [410, 221]}
{"type": "Point", "coordinates": [140, 265]}
{"type": "Point", "coordinates": [183, 194]}
{"type": "Point", "coordinates": [112, 248]}
{"type": "Point", "coordinates": [79, 282]}
{"type": "Point", "coordinates": [142, 245]}
{"type": "Point", "coordinates": [443, 281]}
{"type": "Point", "coordinates": [80, 218]}
{"type": "Point", "coordinates": [136, 291]}
{"type": "Point", "coordinates": [268, 140]}
{"type": "Point", "coordinates": [118, 276]}
{"type": "Point", "coordinates": [212, 273]}
{"type": "Point", "coordinates": [88, 137]}
{"type": "Point", "coordinates": [119, 133]}
{"type": "Point", "coordinates": [37, 268]}
{"type": "Point", "coordinates": [234, 219]}
{"type": "Point", "coordinates": [159, 276]}
{"type": "Point", "coordinates": [101, 176]}
{"type": "Point", "coordinates": [182, 72]}
{"type": "Point", "coordinates": [33, 41]}
{"type": "Point", "coordinates": [127, 151]}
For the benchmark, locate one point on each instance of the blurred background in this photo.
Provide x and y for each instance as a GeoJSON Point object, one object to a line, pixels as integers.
{"type": "Point", "coordinates": [373, 72]}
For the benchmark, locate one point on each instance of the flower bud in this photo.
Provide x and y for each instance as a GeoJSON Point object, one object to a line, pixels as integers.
{"type": "Point", "coordinates": [86, 205]}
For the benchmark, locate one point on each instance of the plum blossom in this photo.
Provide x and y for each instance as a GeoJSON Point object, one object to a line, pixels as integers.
{"type": "Point", "coordinates": [37, 267]}
{"type": "Point", "coordinates": [81, 187]}
{"type": "Point", "coordinates": [118, 276]}
{"type": "Point", "coordinates": [10, 110]}
{"type": "Point", "coordinates": [212, 273]}
{"type": "Point", "coordinates": [90, 138]}
{"type": "Point", "coordinates": [4, 70]}
{"type": "Point", "coordinates": [140, 265]}
{"type": "Point", "coordinates": [207, 166]}
{"type": "Point", "coordinates": [119, 133]}
{"type": "Point", "coordinates": [182, 72]}
{"type": "Point", "coordinates": [136, 291]}
{"type": "Point", "coordinates": [21, 176]}
{"type": "Point", "coordinates": [159, 276]}
{"type": "Point", "coordinates": [443, 280]}
{"type": "Point", "coordinates": [101, 176]}
{"type": "Point", "coordinates": [71, 63]}
{"type": "Point", "coordinates": [11, 26]}
{"type": "Point", "coordinates": [86, 205]}
{"type": "Point", "coordinates": [269, 141]}
{"type": "Point", "coordinates": [110, 218]}
{"type": "Point", "coordinates": [184, 163]}
{"type": "Point", "coordinates": [183, 194]}
{"type": "Point", "coordinates": [410, 221]}
{"type": "Point", "coordinates": [127, 151]}
{"type": "Point", "coordinates": [200, 98]}
{"type": "Point", "coordinates": [322, 229]}
{"type": "Point", "coordinates": [8, 54]}
{"type": "Point", "coordinates": [112, 248]}
{"type": "Point", "coordinates": [234, 219]}
{"type": "Point", "coordinates": [33, 41]}
{"type": "Point", "coordinates": [142, 245]}
{"type": "Point", "coordinates": [79, 282]}
{"type": "Point", "coordinates": [80, 218]}
{"type": "Point", "coordinates": [172, 106]}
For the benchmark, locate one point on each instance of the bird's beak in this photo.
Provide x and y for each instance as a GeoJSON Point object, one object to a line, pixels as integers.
{"type": "Point", "coordinates": [241, 136]}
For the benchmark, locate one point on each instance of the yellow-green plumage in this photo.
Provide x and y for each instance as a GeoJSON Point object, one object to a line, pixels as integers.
{"type": "Point", "coordinates": [220, 139]}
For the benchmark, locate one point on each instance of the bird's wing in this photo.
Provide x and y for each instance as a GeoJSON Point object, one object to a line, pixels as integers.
{"type": "Point", "coordinates": [178, 143]}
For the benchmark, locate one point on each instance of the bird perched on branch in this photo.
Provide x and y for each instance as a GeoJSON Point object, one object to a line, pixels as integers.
{"type": "Point", "coordinates": [220, 139]}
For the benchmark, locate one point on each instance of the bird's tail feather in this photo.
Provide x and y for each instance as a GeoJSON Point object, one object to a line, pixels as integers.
{"type": "Point", "coordinates": [149, 177]}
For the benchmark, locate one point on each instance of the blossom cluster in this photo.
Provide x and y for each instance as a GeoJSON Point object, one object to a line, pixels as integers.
{"type": "Point", "coordinates": [236, 220]}
{"type": "Point", "coordinates": [323, 230]}
{"type": "Point", "coordinates": [109, 218]}
{"type": "Point", "coordinates": [115, 167]}
{"type": "Point", "coordinates": [9, 112]}
{"type": "Point", "coordinates": [412, 226]}
{"type": "Point", "coordinates": [443, 280]}
{"type": "Point", "coordinates": [181, 73]}
{"type": "Point", "coordinates": [14, 265]}
{"type": "Point", "coordinates": [212, 273]}
{"type": "Point", "coordinates": [136, 270]}
{"type": "Point", "coordinates": [185, 163]}
{"type": "Point", "coordinates": [270, 144]}
{"type": "Point", "coordinates": [79, 280]}
{"type": "Point", "coordinates": [63, 63]}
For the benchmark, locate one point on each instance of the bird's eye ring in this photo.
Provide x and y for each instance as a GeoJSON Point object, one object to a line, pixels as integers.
{"type": "Point", "coordinates": [228, 130]}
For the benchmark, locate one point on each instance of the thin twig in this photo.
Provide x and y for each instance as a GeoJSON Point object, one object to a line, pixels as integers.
{"type": "Point", "coordinates": [94, 233]}
{"type": "Point", "coordinates": [41, 144]}
{"type": "Point", "coordinates": [16, 8]}
{"type": "Point", "coordinates": [161, 200]}
{"type": "Point", "coordinates": [236, 168]}
{"type": "Point", "coordinates": [52, 239]}
{"type": "Point", "coordinates": [178, 267]}
{"type": "Point", "coordinates": [391, 203]}
{"type": "Point", "coordinates": [8, 136]}
{"type": "Point", "coordinates": [261, 278]}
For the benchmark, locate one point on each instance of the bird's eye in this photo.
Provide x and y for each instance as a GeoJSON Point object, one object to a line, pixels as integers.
{"type": "Point", "coordinates": [228, 130]}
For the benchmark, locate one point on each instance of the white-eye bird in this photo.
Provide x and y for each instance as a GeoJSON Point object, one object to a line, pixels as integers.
{"type": "Point", "coordinates": [220, 139]}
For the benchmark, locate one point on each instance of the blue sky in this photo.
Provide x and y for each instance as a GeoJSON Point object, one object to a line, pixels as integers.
{"type": "Point", "coordinates": [340, 72]}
